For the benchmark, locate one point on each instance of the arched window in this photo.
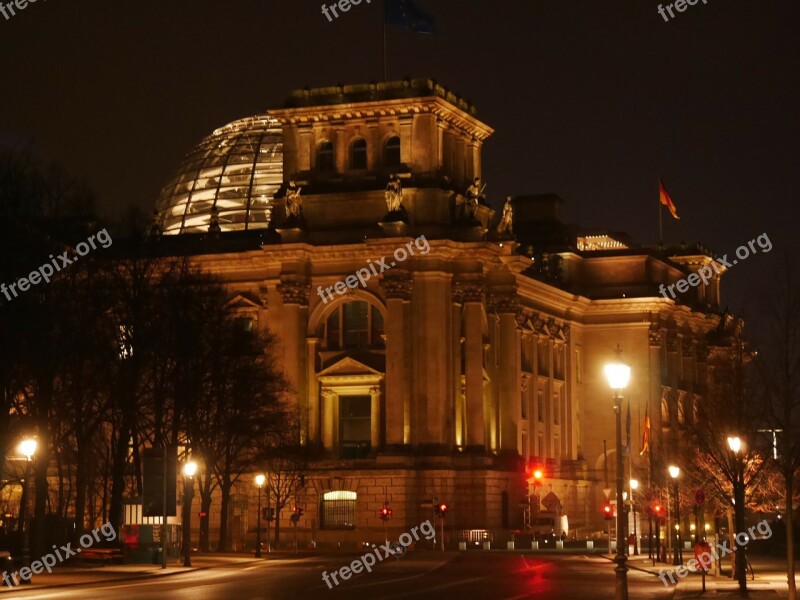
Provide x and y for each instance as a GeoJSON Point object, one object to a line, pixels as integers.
{"type": "Point", "coordinates": [358, 155]}
{"type": "Point", "coordinates": [355, 325]}
{"type": "Point", "coordinates": [325, 162]}
{"type": "Point", "coordinates": [391, 152]}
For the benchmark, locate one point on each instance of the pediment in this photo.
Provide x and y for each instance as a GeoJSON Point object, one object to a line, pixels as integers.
{"type": "Point", "coordinates": [348, 367]}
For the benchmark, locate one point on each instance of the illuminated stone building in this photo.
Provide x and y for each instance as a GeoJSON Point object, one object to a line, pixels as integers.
{"type": "Point", "coordinates": [471, 359]}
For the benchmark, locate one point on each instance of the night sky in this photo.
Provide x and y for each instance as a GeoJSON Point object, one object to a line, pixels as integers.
{"type": "Point", "coordinates": [591, 100]}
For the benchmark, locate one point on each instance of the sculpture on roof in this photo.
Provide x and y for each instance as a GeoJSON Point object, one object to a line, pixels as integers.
{"type": "Point", "coordinates": [394, 194]}
{"type": "Point", "coordinates": [507, 220]}
{"type": "Point", "coordinates": [294, 204]}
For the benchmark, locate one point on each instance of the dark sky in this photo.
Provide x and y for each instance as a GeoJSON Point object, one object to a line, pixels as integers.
{"type": "Point", "coordinates": [593, 100]}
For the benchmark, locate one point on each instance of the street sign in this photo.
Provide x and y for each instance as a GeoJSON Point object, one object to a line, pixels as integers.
{"type": "Point", "coordinates": [699, 496]}
{"type": "Point", "coordinates": [607, 492]}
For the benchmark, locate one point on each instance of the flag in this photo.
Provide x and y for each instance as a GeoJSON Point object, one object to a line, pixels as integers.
{"type": "Point", "coordinates": [646, 434]}
{"type": "Point", "coordinates": [628, 430]}
{"type": "Point", "coordinates": [663, 196]}
{"type": "Point", "coordinates": [406, 14]}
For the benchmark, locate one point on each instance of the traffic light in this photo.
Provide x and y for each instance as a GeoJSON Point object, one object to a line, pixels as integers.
{"type": "Point", "coordinates": [443, 508]}
{"type": "Point", "coordinates": [658, 511]}
{"type": "Point", "coordinates": [608, 511]}
{"type": "Point", "coordinates": [386, 512]}
{"type": "Point", "coordinates": [298, 512]}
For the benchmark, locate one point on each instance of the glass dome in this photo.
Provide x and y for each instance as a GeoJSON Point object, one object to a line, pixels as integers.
{"type": "Point", "coordinates": [234, 172]}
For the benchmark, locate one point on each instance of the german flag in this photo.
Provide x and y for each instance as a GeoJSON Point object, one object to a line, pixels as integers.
{"type": "Point", "coordinates": [646, 434]}
{"type": "Point", "coordinates": [663, 196]}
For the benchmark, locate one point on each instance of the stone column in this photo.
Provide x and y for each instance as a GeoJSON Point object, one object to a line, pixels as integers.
{"type": "Point", "coordinates": [313, 392]}
{"type": "Point", "coordinates": [397, 286]}
{"type": "Point", "coordinates": [470, 291]}
{"type": "Point", "coordinates": [508, 372]}
{"type": "Point", "coordinates": [329, 399]}
{"type": "Point", "coordinates": [294, 289]}
{"type": "Point", "coordinates": [375, 421]}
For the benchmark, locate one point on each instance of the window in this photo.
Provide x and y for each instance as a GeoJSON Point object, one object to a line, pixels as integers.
{"type": "Point", "coordinates": [391, 152]}
{"type": "Point", "coordinates": [325, 162]}
{"type": "Point", "coordinates": [578, 366]}
{"type": "Point", "coordinates": [523, 402]}
{"type": "Point", "coordinates": [358, 155]}
{"type": "Point", "coordinates": [556, 407]}
{"type": "Point", "coordinates": [540, 406]}
{"type": "Point", "coordinates": [355, 425]}
{"type": "Point", "coordinates": [355, 325]}
{"type": "Point", "coordinates": [339, 510]}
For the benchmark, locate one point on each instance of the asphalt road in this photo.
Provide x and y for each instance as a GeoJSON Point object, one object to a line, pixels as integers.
{"type": "Point", "coordinates": [423, 576]}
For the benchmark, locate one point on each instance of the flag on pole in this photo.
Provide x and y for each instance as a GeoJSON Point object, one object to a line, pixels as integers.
{"type": "Point", "coordinates": [628, 430]}
{"type": "Point", "coordinates": [664, 198]}
{"type": "Point", "coordinates": [405, 13]}
{"type": "Point", "coordinates": [646, 434]}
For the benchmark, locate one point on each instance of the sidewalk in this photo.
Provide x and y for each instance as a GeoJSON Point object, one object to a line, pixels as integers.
{"type": "Point", "coordinates": [81, 575]}
{"type": "Point", "coordinates": [769, 582]}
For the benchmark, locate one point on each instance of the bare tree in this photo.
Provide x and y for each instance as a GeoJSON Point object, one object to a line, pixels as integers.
{"type": "Point", "coordinates": [779, 367]}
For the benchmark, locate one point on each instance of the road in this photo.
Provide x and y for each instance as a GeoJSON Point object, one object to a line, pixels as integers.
{"type": "Point", "coordinates": [422, 576]}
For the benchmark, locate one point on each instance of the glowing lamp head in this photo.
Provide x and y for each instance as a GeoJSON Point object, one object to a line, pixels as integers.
{"type": "Point", "coordinates": [618, 374]}
{"type": "Point", "coordinates": [634, 484]}
{"type": "Point", "coordinates": [260, 479]}
{"type": "Point", "coordinates": [190, 468]}
{"type": "Point", "coordinates": [674, 471]}
{"type": "Point", "coordinates": [735, 444]}
{"type": "Point", "coordinates": [537, 475]}
{"type": "Point", "coordinates": [27, 448]}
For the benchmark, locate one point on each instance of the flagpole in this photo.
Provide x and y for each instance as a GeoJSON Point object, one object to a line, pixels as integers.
{"type": "Point", "coordinates": [385, 76]}
{"type": "Point", "coordinates": [660, 223]}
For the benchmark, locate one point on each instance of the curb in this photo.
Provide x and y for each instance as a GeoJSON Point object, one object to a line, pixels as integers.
{"type": "Point", "coordinates": [25, 588]}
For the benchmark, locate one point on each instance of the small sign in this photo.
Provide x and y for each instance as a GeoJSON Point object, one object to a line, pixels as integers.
{"type": "Point", "coordinates": [699, 496]}
{"type": "Point", "coordinates": [607, 492]}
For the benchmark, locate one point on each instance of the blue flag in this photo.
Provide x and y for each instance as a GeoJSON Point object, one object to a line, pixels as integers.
{"type": "Point", "coordinates": [406, 14]}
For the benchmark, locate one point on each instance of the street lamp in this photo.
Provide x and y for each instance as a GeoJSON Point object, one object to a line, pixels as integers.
{"type": "Point", "coordinates": [27, 448]}
{"type": "Point", "coordinates": [618, 374]}
{"type": "Point", "coordinates": [675, 472]}
{"type": "Point", "coordinates": [634, 486]}
{"type": "Point", "coordinates": [735, 444]}
{"type": "Point", "coordinates": [189, 470]}
{"type": "Point", "coordinates": [260, 479]}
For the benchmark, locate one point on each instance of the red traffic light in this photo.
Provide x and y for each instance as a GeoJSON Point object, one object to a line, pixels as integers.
{"type": "Point", "coordinates": [608, 511]}
{"type": "Point", "coordinates": [443, 508]}
{"type": "Point", "coordinates": [657, 510]}
{"type": "Point", "coordinates": [386, 513]}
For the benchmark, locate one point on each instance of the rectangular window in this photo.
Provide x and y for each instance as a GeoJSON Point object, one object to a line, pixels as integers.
{"type": "Point", "coordinates": [540, 406]}
{"type": "Point", "coordinates": [355, 426]}
{"type": "Point", "coordinates": [541, 453]}
{"type": "Point", "coordinates": [339, 510]}
{"type": "Point", "coordinates": [525, 452]}
{"type": "Point", "coordinates": [557, 408]}
{"type": "Point", "coordinates": [356, 325]}
{"type": "Point", "coordinates": [523, 403]}
{"type": "Point", "coordinates": [578, 366]}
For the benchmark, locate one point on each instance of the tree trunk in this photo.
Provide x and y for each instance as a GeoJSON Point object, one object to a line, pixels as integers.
{"type": "Point", "coordinates": [118, 468]}
{"type": "Point", "coordinates": [789, 480]}
{"type": "Point", "coordinates": [81, 485]}
{"type": "Point", "coordinates": [225, 491]}
{"type": "Point", "coordinates": [741, 564]}
{"type": "Point", "coordinates": [277, 526]}
{"type": "Point", "coordinates": [205, 507]}
{"type": "Point", "coordinates": [42, 491]}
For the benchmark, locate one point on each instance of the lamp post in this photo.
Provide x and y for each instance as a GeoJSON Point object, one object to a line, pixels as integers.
{"type": "Point", "coordinates": [260, 479]}
{"type": "Point", "coordinates": [618, 375]}
{"type": "Point", "coordinates": [27, 448]}
{"type": "Point", "coordinates": [189, 469]}
{"type": "Point", "coordinates": [735, 445]}
{"type": "Point", "coordinates": [634, 486]}
{"type": "Point", "coordinates": [675, 472]}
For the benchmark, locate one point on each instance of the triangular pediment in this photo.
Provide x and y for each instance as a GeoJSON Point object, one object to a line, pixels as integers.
{"type": "Point", "coordinates": [243, 301]}
{"type": "Point", "coordinates": [348, 367]}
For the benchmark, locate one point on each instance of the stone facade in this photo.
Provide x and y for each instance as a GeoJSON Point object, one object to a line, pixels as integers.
{"type": "Point", "coordinates": [454, 372]}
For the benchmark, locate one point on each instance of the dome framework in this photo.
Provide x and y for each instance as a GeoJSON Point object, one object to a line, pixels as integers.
{"type": "Point", "coordinates": [234, 172]}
